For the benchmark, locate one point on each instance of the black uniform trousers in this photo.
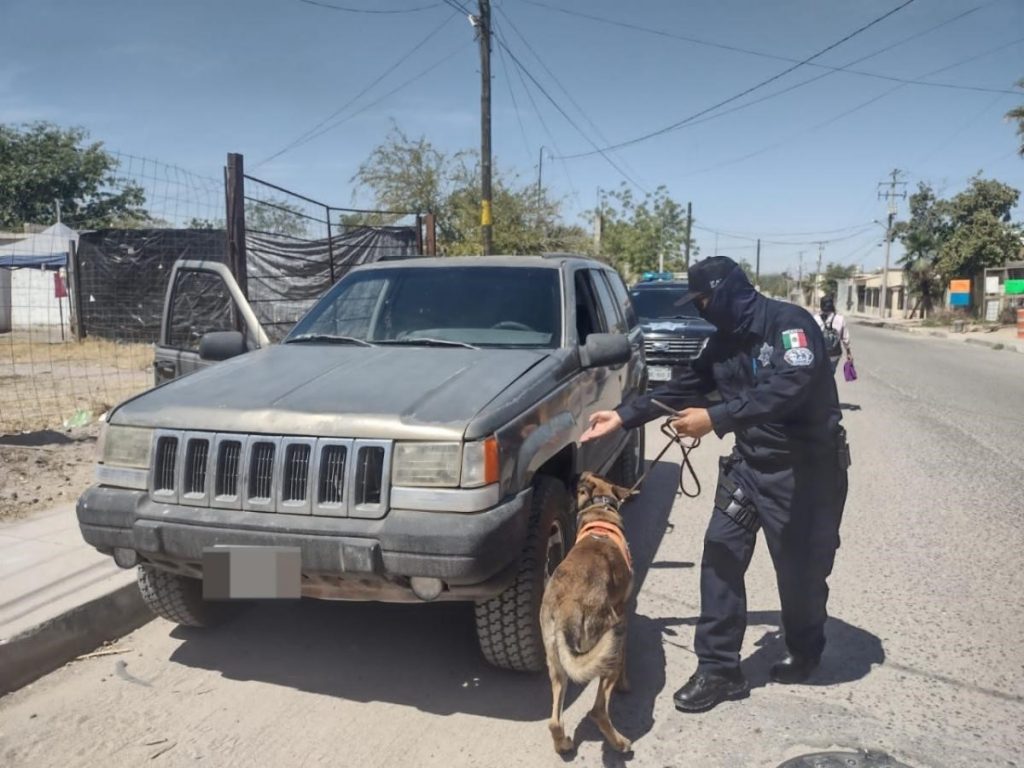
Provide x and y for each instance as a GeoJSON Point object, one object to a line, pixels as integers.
{"type": "Point", "coordinates": [799, 509]}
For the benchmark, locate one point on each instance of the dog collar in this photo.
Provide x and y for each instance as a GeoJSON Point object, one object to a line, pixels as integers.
{"type": "Point", "coordinates": [603, 501]}
{"type": "Point", "coordinates": [601, 529]}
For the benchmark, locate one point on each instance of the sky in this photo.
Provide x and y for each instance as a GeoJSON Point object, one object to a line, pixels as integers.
{"type": "Point", "coordinates": [792, 162]}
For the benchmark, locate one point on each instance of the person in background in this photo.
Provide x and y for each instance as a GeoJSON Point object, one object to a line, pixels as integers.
{"type": "Point", "coordinates": [835, 330]}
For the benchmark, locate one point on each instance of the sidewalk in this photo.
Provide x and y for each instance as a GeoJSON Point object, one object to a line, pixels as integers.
{"type": "Point", "coordinates": [58, 596]}
{"type": "Point", "coordinates": [1004, 338]}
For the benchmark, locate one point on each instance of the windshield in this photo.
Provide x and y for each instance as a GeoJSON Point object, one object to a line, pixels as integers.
{"type": "Point", "coordinates": [479, 306]}
{"type": "Point", "coordinates": [659, 303]}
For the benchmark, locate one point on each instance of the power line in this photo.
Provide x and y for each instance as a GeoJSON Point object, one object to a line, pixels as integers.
{"type": "Point", "coordinates": [751, 89]}
{"type": "Point", "coordinates": [848, 112]}
{"type": "Point", "coordinates": [557, 82]}
{"type": "Point", "coordinates": [863, 228]}
{"type": "Point", "coordinates": [311, 133]}
{"type": "Point", "coordinates": [775, 57]}
{"type": "Point", "coordinates": [512, 96]}
{"type": "Point", "coordinates": [597, 149]}
{"type": "Point", "coordinates": [346, 9]}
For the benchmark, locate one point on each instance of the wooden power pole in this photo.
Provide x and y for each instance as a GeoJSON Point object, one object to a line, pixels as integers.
{"type": "Point", "coordinates": [484, 30]}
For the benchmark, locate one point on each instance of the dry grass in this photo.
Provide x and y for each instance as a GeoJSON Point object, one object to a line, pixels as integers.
{"type": "Point", "coordinates": [45, 381]}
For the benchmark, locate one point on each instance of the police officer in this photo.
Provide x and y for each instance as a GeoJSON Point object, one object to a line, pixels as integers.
{"type": "Point", "coordinates": [786, 475]}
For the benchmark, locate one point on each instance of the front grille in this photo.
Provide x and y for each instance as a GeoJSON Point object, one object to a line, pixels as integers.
{"type": "Point", "coordinates": [296, 473]}
{"type": "Point", "coordinates": [166, 464]}
{"type": "Point", "coordinates": [677, 347]}
{"type": "Point", "coordinates": [263, 473]}
{"type": "Point", "coordinates": [332, 474]}
{"type": "Point", "coordinates": [229, 461]}
{"type": "Point", "coordinates": [196, 457]}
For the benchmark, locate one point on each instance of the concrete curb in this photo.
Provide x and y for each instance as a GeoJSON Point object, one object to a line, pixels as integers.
{"type": "Point", "coordinates": [42, 649]}
{"type": "Point", "coordinates": [918, 330]}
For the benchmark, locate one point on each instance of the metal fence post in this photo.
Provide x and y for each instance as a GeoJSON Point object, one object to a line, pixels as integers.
{"type": "Point", "coordinates": [235, 193]}
{"type": "Point", "coordinates": [75, 291]}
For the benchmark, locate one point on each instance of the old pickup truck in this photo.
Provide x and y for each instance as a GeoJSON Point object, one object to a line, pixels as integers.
{"type": "Point", "coordinates": [414, 437]}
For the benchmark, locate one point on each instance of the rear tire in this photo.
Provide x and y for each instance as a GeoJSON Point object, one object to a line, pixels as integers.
{"type": "Point", "coordinates": [629, 467]}
{"type": "Point", "coordinates": [179, 598]}
{"type": "Point", "coordinates": [508, 625]}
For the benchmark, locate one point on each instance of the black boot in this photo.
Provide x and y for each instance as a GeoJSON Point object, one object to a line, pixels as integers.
{"type": "Point", "coordinates": [707, 689]}
{"type": "Point", "coordinates": [794, 668]}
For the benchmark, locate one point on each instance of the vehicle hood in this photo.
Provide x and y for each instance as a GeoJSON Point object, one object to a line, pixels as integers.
{"type": "Point", "coordinates": [332, 391]}
{"type": "Point", "coordinates": [689, 326]}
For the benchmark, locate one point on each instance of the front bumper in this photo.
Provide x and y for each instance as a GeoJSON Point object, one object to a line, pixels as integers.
{"type": "Point", "coordinates": [472, 554]}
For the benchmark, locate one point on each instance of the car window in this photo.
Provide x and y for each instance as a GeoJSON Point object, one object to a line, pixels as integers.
{"type": "Point", "coordinates": [614, 321]}
{"type": "Point", "coordinates": [621, 295]}
{"type": "Point", "coordinates": [660, 303]}
{"type": "Point", "coordinates": [483, 306]}
{"type": "Point", "coordinates": [588, 319]}
{"type": "Point", "coordinates": [200, 304]}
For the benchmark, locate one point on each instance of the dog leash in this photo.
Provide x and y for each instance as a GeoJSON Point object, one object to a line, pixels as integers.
{"type": "Point", "coordinates": [674, 438]}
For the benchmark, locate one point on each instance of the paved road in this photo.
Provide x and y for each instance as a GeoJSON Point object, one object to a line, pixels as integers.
{"type": "Point", "coordinates": [924, 660]}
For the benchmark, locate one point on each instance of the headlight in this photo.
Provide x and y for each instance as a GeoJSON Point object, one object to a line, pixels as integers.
{"type": "Point", "coordinates": [427, 464]}
{"type": "Point", "coordinates": [480, 463]}
{"type": "Point", "coordinates": [125, 446]}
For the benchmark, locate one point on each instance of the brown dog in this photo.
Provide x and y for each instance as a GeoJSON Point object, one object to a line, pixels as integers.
{"type": "Point", "coordinates": [583, 613]}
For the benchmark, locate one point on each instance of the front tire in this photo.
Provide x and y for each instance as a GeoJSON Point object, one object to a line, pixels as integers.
{"type": "Point", "coordinates": [508, 625]}
{"type": "Point", "coordinates": [178, 598]}
{"type": "Point", "coordinates": [629, 467]}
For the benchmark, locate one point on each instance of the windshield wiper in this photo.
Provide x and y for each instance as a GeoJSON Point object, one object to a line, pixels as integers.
{"type": "Point", "coordinates": [429, 343]}
{"type": "Point", "coordinates": [328, 338]}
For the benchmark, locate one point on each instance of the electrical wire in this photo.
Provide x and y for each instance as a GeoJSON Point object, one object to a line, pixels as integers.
{"type": "Point", "coordinates": [680, 123]}
{"type": "Point", "coordinates": [512, 96]}
{"type": "Point", "coordinates": [597, 131]}
{"type": "Point", "coordinates": [312, 133]}
{"type": "Point", "coordinates": [775, 57]}
{"type": "Point", "coordinates": [346, 9]}
{"type": "Point", "coordinates": [597, 149]}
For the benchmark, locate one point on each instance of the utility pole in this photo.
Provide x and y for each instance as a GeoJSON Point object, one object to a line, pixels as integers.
{"type": "Point", "coordinates": [817, 276]}
{"type": "Point", "coordinates": [484, 31]}
{"type": "Point", "coordinates": [889, 194]}
{"type": "Point", "coordinates": [757, 264]}
{"type": "Point", "coordinates": [689, 229]}
{"type": "Point", "coordinates": [800, 279]}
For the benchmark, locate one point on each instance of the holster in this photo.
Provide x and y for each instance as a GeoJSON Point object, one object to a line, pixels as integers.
{"type": "Point", "coordinates": [843, 450]}
{"type": "Point", "coordinates": [732, 502]}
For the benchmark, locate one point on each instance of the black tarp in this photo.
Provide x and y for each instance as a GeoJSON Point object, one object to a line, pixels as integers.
{"type": "Point", "coordinates": [123, 273]}
{"type": "Point", "coordinates": [123, 276]}
{"type": "Point", "coordinates": [287, 275]}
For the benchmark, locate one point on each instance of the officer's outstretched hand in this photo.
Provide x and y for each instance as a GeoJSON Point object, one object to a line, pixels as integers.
{"type": "Point", "coordinates": [601, 423]}
{"type": "Point", "coordinates": [693, 422]}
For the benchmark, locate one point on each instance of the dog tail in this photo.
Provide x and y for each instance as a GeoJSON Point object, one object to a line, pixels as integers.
{"type": "Point", "coordinates": [599, 660]}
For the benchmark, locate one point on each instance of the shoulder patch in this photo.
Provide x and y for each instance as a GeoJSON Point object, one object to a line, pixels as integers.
{"type": "Point", "coordinates": [799, 356]}
{"type": "Point", "coordinates": [794, 338]}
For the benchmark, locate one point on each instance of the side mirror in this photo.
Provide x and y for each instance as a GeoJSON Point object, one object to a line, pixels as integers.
{"type": "Point", "coordinates": [603, 349]}
{"type": "Point", "coordinates": [220, 345]}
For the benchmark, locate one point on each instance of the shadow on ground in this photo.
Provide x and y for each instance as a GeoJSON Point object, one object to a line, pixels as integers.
{"type": "Point", "coordinates": [849, 407]}
{"type": "Point", "coordinates": [423, 656]}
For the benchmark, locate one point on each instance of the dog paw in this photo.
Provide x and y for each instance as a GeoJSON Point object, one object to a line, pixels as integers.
{"type": "Point", "coordinates": [564, 745]}
{"type": "Point", "coordinates": [623, 745]}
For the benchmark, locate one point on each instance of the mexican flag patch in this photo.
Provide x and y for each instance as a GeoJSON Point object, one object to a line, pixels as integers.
{"type": "Point", "coordinates": [794, 339]}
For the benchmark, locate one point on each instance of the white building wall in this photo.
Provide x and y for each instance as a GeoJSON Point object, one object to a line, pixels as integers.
{"type": "Point", "coordinates": [32, 299]}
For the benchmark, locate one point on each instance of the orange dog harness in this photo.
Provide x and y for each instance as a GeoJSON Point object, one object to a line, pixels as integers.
{"type": "Point", "coordinates": [599, 529]}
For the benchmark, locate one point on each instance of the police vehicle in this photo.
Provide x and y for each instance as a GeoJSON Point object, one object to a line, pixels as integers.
{"type": "Point", "coordinates": [673, 335]}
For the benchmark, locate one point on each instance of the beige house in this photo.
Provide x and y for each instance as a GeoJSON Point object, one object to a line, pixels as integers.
{"type": "Point", "coordinates": [862, 295]}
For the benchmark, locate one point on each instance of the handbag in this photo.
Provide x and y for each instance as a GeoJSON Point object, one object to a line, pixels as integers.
{"type": "Point", "coordinates": [849, 372]}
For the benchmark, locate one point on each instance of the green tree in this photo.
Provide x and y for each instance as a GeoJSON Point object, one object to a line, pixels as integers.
{"type": "Point", "coordinates": [980, 231]}
{"type": "Point", "coordinates": [1017, 115]}
{"type": "Point", "coordinates": [41, 163]}
{"type": "Point", "coordinates": [275, 217]}
{"type": "Point", "coordinates": [635, 233]}
{"type": "Point", "coordinates": [922, 236]}
{"type": "Point", "coordinates": [776, 284]}
{"type": "Point", "coordinates": [407, 174]}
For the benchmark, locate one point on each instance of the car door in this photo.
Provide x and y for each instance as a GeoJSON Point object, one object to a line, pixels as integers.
{"type": "Point", "coordinates": [202, 297]}
{"type": "Point", "coordinates": [637, 364]}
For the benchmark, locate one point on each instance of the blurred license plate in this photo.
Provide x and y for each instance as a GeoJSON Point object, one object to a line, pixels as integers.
{"type": "Point", "coordinates": [659, 373]}
{"type": "Point", "coordinates": [251, 573]}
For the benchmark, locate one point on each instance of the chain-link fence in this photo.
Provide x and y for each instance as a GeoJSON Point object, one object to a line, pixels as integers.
{"type": "Point", "coordinates": [77, 323]}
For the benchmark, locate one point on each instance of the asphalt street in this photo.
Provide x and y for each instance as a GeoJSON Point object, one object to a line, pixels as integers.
{"type": "Point", "coordinates": [924, 660]}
